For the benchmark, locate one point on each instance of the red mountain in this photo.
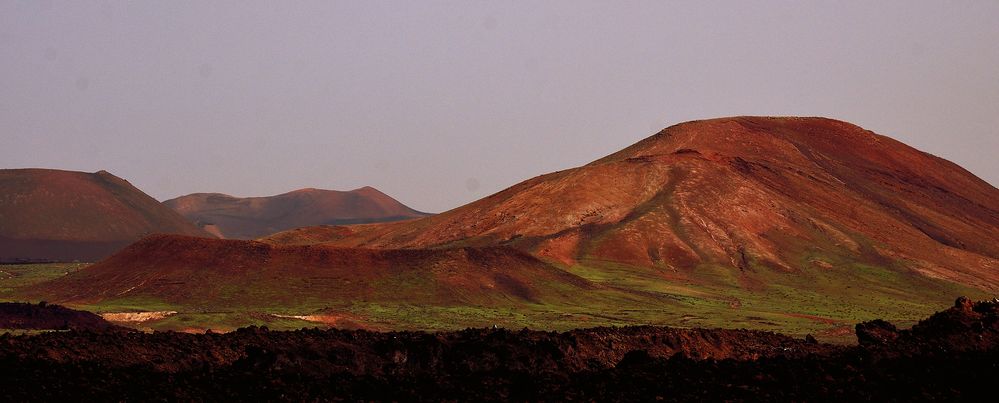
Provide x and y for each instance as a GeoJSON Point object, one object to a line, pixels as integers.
{"type": "Point", "coordinates": [254, 217]}
{"type": "Point", "coordinates": [742, 193]}
{"type": "Point", "coordinates": [48, 214]}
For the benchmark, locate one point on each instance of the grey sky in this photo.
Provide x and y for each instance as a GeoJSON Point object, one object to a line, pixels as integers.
{"type": "Point", "coordinates": [441, 103]}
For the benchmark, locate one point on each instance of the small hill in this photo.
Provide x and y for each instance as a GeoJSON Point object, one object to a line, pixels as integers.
{"type": "Point", "coordinates": [54, 215]}
{"type": "Point", "coordinates": [254, 217]}
{"type": "Point", "coordinates": [239, 274]}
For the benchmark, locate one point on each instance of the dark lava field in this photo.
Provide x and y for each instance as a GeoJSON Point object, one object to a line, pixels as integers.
{"type": "Point", "coordinates": [953, 355]}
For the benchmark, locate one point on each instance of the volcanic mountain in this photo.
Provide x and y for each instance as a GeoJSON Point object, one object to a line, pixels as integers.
{"type": "Point", "coordinates": [48, 215]}
{"type": "Point", "coordinates": [253, 217]}
{"type": "Point", "coordinates": [793, 224]}
{"type": "Point", "coordinates": [745, 194]}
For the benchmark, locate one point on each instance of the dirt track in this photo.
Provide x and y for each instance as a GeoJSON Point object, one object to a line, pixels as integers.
{"type": "Point", "coordinates": [952, 355]}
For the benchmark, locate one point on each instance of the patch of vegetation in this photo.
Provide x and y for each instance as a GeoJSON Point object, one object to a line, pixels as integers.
{"type": "Point", "coordinates": [131, 303]}
{"type": "Point", "coordinates": [15, 276]}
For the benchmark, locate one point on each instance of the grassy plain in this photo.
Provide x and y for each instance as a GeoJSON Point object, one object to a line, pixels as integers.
{"type": "Point", "coordinates": [14, 276]}
{"type": "Point", "coordinates": [823, 302]}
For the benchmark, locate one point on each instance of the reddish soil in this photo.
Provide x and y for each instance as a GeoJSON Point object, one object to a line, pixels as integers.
{"type": "Point", "coordinates": [744, 192]}
{"type": "Point", "coordinates": [189, 270]}
{"type": "Point", "coordinates": [309, 235]}
{"type": "Point", "coordinates": [254, 217]}
{"type": "Point", "coordinates": [52, 215]}
{"type": "Point", "coordinates": [953, 355]}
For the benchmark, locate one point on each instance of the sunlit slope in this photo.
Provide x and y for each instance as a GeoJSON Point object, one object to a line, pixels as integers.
{"type": "Point", "coordinates": [750, 195]}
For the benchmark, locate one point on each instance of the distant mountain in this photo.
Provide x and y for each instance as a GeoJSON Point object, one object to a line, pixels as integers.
{"type": "Point", "coordinates": [253, 217]}
{"type": "Point", "coordinates": [54, 215]}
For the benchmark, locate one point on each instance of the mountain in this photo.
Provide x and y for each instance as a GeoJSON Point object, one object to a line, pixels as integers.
{"type": "Point", "coordinates": [253, 217]}
{"type": "Point", "coordinates": [744, 194]}
{"type": "Point", "coordinates": [54, 215]}
{"type": "Point", "coordinates": [803, 225]}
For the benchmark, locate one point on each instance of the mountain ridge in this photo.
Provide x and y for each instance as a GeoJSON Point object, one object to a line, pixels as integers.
{"type": "Point", "coordinates": [253, 217]}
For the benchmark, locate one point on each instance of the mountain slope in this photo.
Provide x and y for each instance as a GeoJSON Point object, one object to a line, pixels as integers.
{"type": "Point", "coordinates": [48, 214]}
{"type": "Point", "coordinates": [803, 225]}
{"type": "Point", "coordinates": [744, 194]}
{"type": "Point", "coordinates": [254, 217]}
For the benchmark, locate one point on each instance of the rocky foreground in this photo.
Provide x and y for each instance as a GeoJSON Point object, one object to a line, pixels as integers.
{"type": "Point", "coordinates": [953, 355]}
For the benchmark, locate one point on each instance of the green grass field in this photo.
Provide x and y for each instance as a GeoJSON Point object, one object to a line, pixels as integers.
{"type": "Point", "coordinates": [14, 276]}
{"type": "Point", "coordinates": [826, 303]}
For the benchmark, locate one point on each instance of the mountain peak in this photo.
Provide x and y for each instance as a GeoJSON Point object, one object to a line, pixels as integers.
{"type": "Point", "coordinates": [752, 136]}
{"type": "Point", "coordinates": [368, 190]}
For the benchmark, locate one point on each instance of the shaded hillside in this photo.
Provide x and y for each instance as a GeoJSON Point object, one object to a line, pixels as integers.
{"type": "Point", "coordinates": [49, 317]}
{"type": "Point", "coordinates": [755, 197]}
{"type": "Point", "coordinates": [53, 215]}
{"type": "Point", "coordinates": [246, 275]}
{"type": "Point", "coordinates": [254, 217]}
{"type": "Point", "coordinates": [933, 361]}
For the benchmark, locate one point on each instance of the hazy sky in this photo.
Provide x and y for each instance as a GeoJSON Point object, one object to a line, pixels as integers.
{"type": "Point", "coordinates": [441, 103]}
